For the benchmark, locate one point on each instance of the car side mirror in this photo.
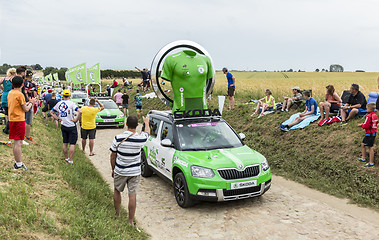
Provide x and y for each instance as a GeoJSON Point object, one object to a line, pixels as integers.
{"type": "Point", "coordinates": [242, 136]}
{"type": "Point", "coordinates": [166, 143]}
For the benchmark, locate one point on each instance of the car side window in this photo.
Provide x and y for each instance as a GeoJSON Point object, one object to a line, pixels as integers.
{"type": "Point", "coordinates": [154, 125]}
{"type": "Point", "coordinates": [167, 132]}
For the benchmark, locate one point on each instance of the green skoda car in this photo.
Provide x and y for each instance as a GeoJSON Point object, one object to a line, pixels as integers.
{"type": "Point", "coordinates": [111, 116]}
{"type": "Point", "coordinates": [79, 98]}
{"type": "Point", "coordinates": [204, 159]}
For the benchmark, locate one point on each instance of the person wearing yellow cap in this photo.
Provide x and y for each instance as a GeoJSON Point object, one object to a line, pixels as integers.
{"type": "Point", "coordinates": [65, 111]}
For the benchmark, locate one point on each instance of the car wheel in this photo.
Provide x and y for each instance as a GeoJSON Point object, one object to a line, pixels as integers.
{"type": "Point", "coordinates": [145, 169]}
{"type": "Point", "coordinates": [121, 126]}
{"type": "Point", "coordinates": [182, 195]}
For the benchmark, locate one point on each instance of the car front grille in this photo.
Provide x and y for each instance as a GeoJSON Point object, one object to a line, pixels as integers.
{"type": "Point", "coordinates": [232, 174]}
{"type": "Point", "coordinates": [236, 192]}
{"type": "Point", "coordinates": [108, 117]}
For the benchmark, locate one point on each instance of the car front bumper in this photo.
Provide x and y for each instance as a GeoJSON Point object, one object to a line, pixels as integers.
{"type": "Point", "coordinates": [117, 122]}
{"type": "Point", "coordinates": [219, 190]}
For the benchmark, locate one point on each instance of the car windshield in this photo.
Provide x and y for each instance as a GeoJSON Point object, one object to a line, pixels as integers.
{"type": "Point", "coordinates": [79, 95]}
{"type": "Point", "coordinates": [206, 136]}
{"type": "Point", "coordinates": [108, 105]}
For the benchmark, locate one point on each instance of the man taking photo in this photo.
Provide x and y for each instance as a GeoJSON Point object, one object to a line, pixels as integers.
{"type": "Point", "coordinates": [88, 128]}
{"type": "Point", "coordinates": [126, 163]}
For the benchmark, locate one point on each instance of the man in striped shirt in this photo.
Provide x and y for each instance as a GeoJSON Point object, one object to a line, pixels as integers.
{"type": "Point", "coordinates": [126, 161]}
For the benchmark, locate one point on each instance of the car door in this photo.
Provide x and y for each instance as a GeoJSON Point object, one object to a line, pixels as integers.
{"type": "Point", "coordinates": [153, 142]}
{"type": "Point", "coordinates": [166, 154]}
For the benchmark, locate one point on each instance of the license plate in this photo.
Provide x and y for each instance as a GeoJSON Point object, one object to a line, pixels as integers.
{"type": "Point", "coordinates": [108, 120]}
{"type": "Point", "coordinates": [246, 184]}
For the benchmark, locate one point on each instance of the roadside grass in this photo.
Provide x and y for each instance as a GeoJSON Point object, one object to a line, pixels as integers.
{"type": "Point", "coordinates": [323, 158]}
{"type": "Point", "coordinates": [54, 200]}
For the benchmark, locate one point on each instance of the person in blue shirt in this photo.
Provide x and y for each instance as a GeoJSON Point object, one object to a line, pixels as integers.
{"type": "Point", "coordinates": [58, 96]}
{"type": "Point", "coordinates": [138, 98]}
{"type": "Point", "coordinates": [310, 111]}
{"type": "Point", "coordinates": [231, 87]}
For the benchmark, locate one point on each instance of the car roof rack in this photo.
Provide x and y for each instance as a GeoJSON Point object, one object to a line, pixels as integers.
{"type": "Point", "coordinates": [166, 113]}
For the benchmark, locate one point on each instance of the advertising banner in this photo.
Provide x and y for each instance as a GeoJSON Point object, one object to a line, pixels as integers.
{"type": "Point", "coordinates": [93, 74]}
{"type": "Point", "coordinates": [55, 75]}
{"type": "Point", "coordinates": [77, 74]}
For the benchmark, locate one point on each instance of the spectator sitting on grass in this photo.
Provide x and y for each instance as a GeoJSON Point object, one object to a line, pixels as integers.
{"type": "Point", "coordinates": [332, 102]}
{"type": "Point", "coordinates": [370, 126]}
{"type": "Point", "coordinates": [267, 103]}
{"type": "Point", "coordinates": [310, 111]}
{"type": "Point", "coordinates": [288, 101]}
{"type": "Point", "coordinates": [355, 105]}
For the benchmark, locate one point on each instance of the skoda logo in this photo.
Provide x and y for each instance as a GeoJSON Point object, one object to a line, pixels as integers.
{"type": "Point", "coordinates": [181, 89]}
{"type": "Point", "coordinates": [240, 166]}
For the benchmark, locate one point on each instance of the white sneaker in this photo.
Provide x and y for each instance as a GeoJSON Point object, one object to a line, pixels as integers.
{"type": "Point", "coordinates": [260, 115]}
{"type": "Point", "coordinates": [286, 110]}
{"type": "Point", "coordinates": [68, 161]}
{"type": "Point", "coordinates": [24, 143]}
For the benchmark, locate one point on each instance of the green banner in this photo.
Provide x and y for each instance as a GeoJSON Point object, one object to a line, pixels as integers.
{"type": "Point", "coordinates": [67, 77]}
{"type": "Point", "coordinates": [93, 74]}
{"type": "Point", "coordinates": [55, 75]}
{"type": "Point", "coordinates": [77, 74]}
{"type": "Point", "coordinates": [49, 78]}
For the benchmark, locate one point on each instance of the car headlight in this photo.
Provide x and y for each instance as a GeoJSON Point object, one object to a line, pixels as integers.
{"type": "Point", "coordinates": [201, 172]}
{"type": "Point", "coordinates": [120, 116]}
{"type": "Point", "coordinates": [97, 116]}
{"type": "Point", "coordinates": [265, 165]}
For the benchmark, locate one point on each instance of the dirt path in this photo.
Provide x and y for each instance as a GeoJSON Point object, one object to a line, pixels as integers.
{"type": "Point", "coordinates": [287, 211]}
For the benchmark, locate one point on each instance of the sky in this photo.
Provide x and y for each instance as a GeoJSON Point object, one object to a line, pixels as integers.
{"type": "Point", "coordinates": [239, 34]}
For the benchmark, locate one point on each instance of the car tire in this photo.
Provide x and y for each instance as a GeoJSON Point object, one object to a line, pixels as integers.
{"type": "Point", "coordinates": [181, 192]}
{"type": "Point", "coordinates": [121, 126]}
{"type": "Point", "coordinates": [145, 169]}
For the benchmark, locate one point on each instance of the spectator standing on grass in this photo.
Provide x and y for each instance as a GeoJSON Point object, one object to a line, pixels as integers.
{"type": "Point", "coordinates": [231, 87]}
{"type": "Point", "coordinates": [377, 100]}
{"type": "Point", "coordinates": [356, 105]}
{"type": "Point", "coordinates": [88, 128]}
{"type": "Point", "coordinates": [29, 95]}
{"type": "Point", "coordinates": [144, 76]}
{"type": "Point", "coordinates": [267, 104]}
{"type": "Point", "coordinates": [66, 112]}
{"type": "Point", "coordinates": [332, 103]}
{"type": "Point", "coordinates": [371, 127]}
{"type": "Point", "coordinates": [138, 105]}
{"type": "Point", "coordinates": [118, 98]}
{"type": "Point", "coordinates": [50, 105]}
{"type": "Point", "coordinates": [310, 111]}
{"type": "Point", "coordinates": [125, 103]}
{"type": "Point", "coordinates": [148, 78]}
{"type": "Point", "coordinates": [6, 86]}
{"type": "Point", "coordinates": [108, 90]}
{"type": "Point", "coordinates": [289, 101]}
{"type": "Point", "coordinates": [46, 98]}
{"type": "Point", "coordinates": [125, 161]}
{"type": "Point", "coordinates": [17, 108]}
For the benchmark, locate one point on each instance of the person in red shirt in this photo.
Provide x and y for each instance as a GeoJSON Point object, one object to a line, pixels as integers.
{"type": "Point", "coordinates": [371, 127]}
{"type": "Point", "coordinates": [115, 84]}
